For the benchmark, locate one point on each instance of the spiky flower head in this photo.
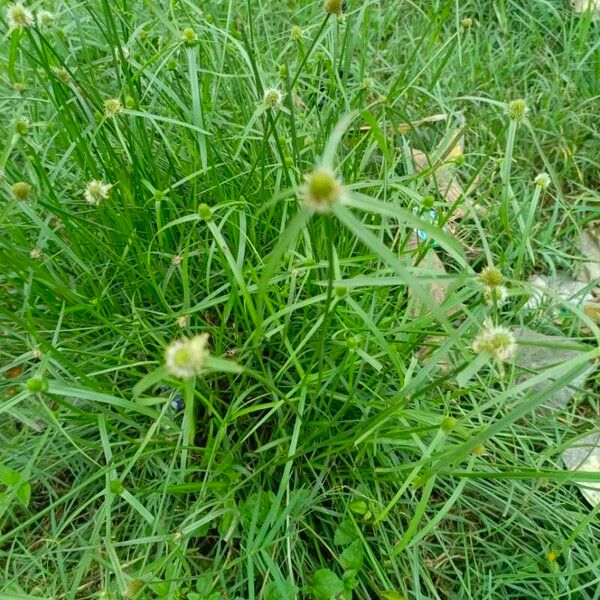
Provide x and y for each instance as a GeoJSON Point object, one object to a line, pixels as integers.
{"type": "Point", "coordinates": [112, 107]}
{"type": "Point", "coordinates": [495, 295]}
{"type": "Point", "coordinates": [273, 98]}
{"type": "Point", "coordinates": [18, 16]}
{"type": "Point", "coordinates": [189, 37]}
{"type": "Point", "coordinates": [491, 276]}
{"type": "Point", "coordinates": [45, 19]}
{"type": "Point", "coordinates": [22, 126]}
{"type": "Point", "coordinates": [186, 357]}
{"type": "Point", "coordinates": [322, 189]}
{"type": "Point", "coordinates": [296, 33]}
{"type": "Point", "coordinates": [21, 191]}
{"type": "Point", "coordinates": [496, 341]}
{"type": "Point", "coordinates": [62, 74]}
{"type": "Point", "coordinates": [368, 83]}
{"type": "Point", "coordinates": [333, 7]}
{"type": "Point", "coordinates": [96, 191]}
{"type": "Point", "coordinates": [543, 181]}
{"type": "Point", "coordinates": [517, 110]}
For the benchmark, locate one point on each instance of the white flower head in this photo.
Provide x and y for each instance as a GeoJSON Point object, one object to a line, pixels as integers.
{"type": "Point", "coordinates": [45, 19]}
{"type": "Point", "coordinates": [517, 110]}
{"type": "Point", "coordinates": [36, 253]}
{"type": "Point", "coordinates": [96, 191]}
{"type": "Point", "coordinates": [322, 189]}
{"type": "Point", "coordinates": [186, 357]}
{"type": "Point", "coordinates": [496, 341]}
{"type": "Point", "coordinates": [124, 51]}
{"type": "Point", "coordinates": [495, 295]}
{"type": "Point", "coordinates": [112, 107]}
{"type": "Point", "coordinates": [18, 16]}
{"type": "Point", "coordinates": [543, 181]}
{"type": "Point", "coordinates": [273, 98]}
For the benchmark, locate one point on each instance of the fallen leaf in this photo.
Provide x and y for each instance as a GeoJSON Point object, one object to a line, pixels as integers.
{"type": "Point", "coordinates": [546, 290]}
{"type": "Point", "coordinates": [589, 244]}
{"type": "Point", "coordinates": [584, 455]}
{"type": "Point", "coordinates": [537, 352]}
{"type": "Point", "coordinates": [585, 5]}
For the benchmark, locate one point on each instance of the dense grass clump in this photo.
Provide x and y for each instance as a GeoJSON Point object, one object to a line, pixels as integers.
{"type": "Point", "coordinates": [264, 276]}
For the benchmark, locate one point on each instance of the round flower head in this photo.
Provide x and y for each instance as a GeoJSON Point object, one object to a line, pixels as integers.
{"type": "Point", "coordinates": [122, 51]}
{"type": "Point", "coordinates": [186, 357]}
{"type": "Point", "coordinates": [543, 181]}
{"type": "Point", "coordinates": [62, 74]}
{"type": "Point", "coordinates": [517, 110]}
{"type": "Point", "coordinates": [296, 33]}
{"type": "Point", "coordinates": [491, 277]}
{"type": "Point", "coordinates": [21, 191]}
{"type": "Point", "coordinates": [467, 23]}
{"type": "Point", "coordinates": [96, 191]}
{"type": "Point", "coordinates": [18, 16]}
{"type": "Point", "coordinates": [334, 7]}
{"type": "Point", "coordinates": [45, 19]}
{"type": "Point", "coordinates": [322, 189]}
{"type": "Point", "coordinates": [112, 107]}
{"type": "Point", "coordinates": [22, 126]}
{"type": "Point", "coordinates": [494, 295]}
{"type": "Point", "coordinates": [496, 341]}
{"type": "Point", "coordinates": [36, 253]}
{"type": "Point", "coordinates": [188, 35]}
{"type": "Point", "coordinates": [273, 98]}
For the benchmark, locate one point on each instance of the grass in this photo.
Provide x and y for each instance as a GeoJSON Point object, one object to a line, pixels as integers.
{"type": "Point", "coordinates": [321, 453]}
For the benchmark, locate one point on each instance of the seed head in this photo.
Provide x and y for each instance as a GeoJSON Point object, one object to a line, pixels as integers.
{"type": "Point", "coordinates": [21, 191]}
{"type": "Point", "coordinates": [495, 340]}
{"type": "Point", "coordinates": [62, 74]}
{"type": "Point", "coordinates": [112, 107]}
{"type": "Point", "coordinates": [189, 37]}
{"type": "Point", "coordinates": [273, 98]}
{"type": "Point", "coordinates": [467, 23]}
{"type": "Point", "coordinates": [96, 191]}
{"type": "Point", "coordinates": [22, 126]}
{"type": "Point", "coordinates": [18, 16]}
{"type": "Point", "coordinates": [368, 83]}
{"type": "Point", "coordinates": [543, 181]}
{"type": "Point", "coordinates": [334, 7]}
{"type": "Point", "coordinates": [494, 295]}
{"type": "Point", "coordinates": [204, 212]}
{"type": "Point", "coordinates": [479, 450]}
{"type": "Point", "coordinates": [45, 19]}
{"type": "Point", "coordinates": [36, 253]}
{"type": "Point", "coordinates": [186, 357]}
{"type": "Point", "coordinates": [322, 189]}
{"type": "Point", "coordinates": [517, 110]}
{"type": "Point", "coordinates": [491, 277]}
{"type": "Point", "coordinates": [296, 33]}
{"type": "Point", "coordinates": [37, 385]}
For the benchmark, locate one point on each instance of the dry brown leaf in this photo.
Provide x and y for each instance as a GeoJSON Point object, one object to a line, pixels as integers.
{"type": "Point", "coordinates": [446, 182]}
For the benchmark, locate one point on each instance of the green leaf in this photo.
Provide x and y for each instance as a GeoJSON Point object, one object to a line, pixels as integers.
{"type": "Point", "coordinates": [391, 595]}
{"type": "Point", "coordinates": [8, 476]}
{"type": "Point", "coordinates": [24, 493]}
{"type": "Point", "coordinates": [284, 591]}
{"type": "Point", "coordinates": [345, 533]}
{"type": "Point", "coordinates": [326, 585]}
{"type": "Point", "coordinates": [352, 557]}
